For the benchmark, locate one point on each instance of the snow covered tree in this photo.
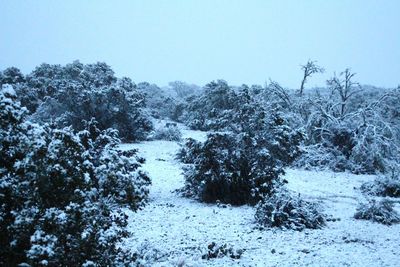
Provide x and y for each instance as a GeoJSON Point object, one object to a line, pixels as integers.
{"type": "Point", "coordinates": [213, 110]}
{"type": "Point", "coordinates": [61, 193]}
{"type": "Point", "coordinates": [309, 69]}
{"type": "Point", "coordinates": [71, 94]}
{"type": "Point", "coordinates": [189, 151]}
{"type": "Point", "coordinates": [183, 90]}
{"type": "Point", "coordinates": [11, 76]}
{"type": "Point", "coordinates": [284, 140]}
{"type": "Point", "coordinates": [159, 102]}
{"type": "Point", "coordinates": [268, 124]}
{"type": "Point", "coordinates": [68, 95]}
{"type": "Point", "coordinates": [232, 169]}
{"type": "Point", "coordinates": [346, 88]}
{"type": "Point", "coordinates": [346, 130]}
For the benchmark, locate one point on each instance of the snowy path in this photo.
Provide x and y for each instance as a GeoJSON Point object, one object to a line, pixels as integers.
{"type": "Point", "coordinates": [176, 230]}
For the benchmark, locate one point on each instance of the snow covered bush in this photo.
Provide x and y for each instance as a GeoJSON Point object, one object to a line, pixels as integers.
{"type": "Point", "coordinates": [70, 94]}
{"type": "Point", "coordinates": [11, 75]}
{"type": "Point", "coordinates": [112, 106]}
{"type": "Point", "coordinates": [189, 151]}
{"type": "Point", "coordinates": [242, 165]}
{"type": "Point", "coordinates": [77, 234]}
{"type": "Point", "coordinates": [146, 254]}
{"type": "Point", "coordinates": [350, 130]}
{"type": "Point", "coordinates": [320, 157]}
{"type": "Point", "coordinates": [168, 133]}
{"type": "Point", "coordinates": [378, 211]}
{"type": "Point", "coordinates": [61, 193]}
{"type": "Point", "coordinates": [235, 169]}
{"type": "Point", "coordinates": [387, 185]}
{"type": "Point", "coordinates": [285, 140]}
{"type": "Point", "coordinates": [220, 251]}
{"type": "Point", "coordinates": [348, 148]}
{"type": "Point", "coordinates": [212, 110]}
{"type": "Point", "coordinates": [118, 173]}
{"type": "Point", "coordinates": [160, 102]}
{"type": "Point", "coordinates": [238, 110]}
{"type": "Point", "coordinates": [284, 209]}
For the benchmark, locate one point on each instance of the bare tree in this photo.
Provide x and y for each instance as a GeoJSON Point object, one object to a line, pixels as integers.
{"type": "Point", "coordinates": [345, 87]}
{"type": "Point", "coordinates": [309, 69]}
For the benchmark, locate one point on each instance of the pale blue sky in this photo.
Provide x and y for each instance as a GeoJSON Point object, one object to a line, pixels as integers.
{"type": "Point", "coordinates": [198, 41]}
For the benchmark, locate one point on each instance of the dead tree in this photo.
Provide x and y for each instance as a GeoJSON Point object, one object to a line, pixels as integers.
{"type": "Point", "coordinates": [309, 69]}
{"type": "Point", "coordinates": [345, 87]}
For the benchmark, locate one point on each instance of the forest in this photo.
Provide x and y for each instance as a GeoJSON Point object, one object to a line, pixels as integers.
{"type": "Point", "coordinates": [72, 172]}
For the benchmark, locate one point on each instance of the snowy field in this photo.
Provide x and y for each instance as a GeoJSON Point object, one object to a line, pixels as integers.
{"type": "Point", "coordinates": [175, 231]}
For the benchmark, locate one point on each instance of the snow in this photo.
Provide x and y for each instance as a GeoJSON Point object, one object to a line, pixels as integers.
{"type": "Point", "coordinates": [174, 231]}
{"type": "Point", "coordinates": [7, 89]}
{"type": "Point", "coordinates": [186, 132]}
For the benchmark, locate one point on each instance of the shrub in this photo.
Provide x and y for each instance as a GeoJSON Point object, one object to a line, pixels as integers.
{"type": "Point", "coordinates": [146, 254]}
{"type": "Point", "coordinates": [160, 102]}
{"type": "Point", "coordinates": [70, 94]}
{"type": "Point", "coordinates": [76, 234]}
{"type": "Point", "coordinates": [114, 106]}
{"type": "Point", "coordinates": [232, 169]}
{"type": "Point", "coordinates": [189, 151]}
{"type": "Point", "coordinates": [11, 75]}
{"type": "Point", "coordinates": [384, 186]}
{"type": "Point", "coordinates": [61, 192]}
{"type": "Point", "coordinates": [237, 110]}
{"type": "Point", "coordinates": [322, 157]}
{"type": "Point", "coordinates": [285, 210]}
{"type": "Point", "coordinates": [213, 109]}
{"type": "Point", "coordinates": [362, 139]}
{"type": "Point", "coordinates": [168, 133]}
{"type": "Point", "coordinates": [374, 146]}
{"type": "Point", "coordinates": [220, 251]}
{"type": "Point", "coordinates": [381, 212]}
{"type": "Point", "coordinates": [285, 144]}
{"type": "Point", "coordinates": [360, 152]}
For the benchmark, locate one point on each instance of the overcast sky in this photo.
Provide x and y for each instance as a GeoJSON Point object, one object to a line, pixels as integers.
{"type": "Point", "coordinates": [198, 41]}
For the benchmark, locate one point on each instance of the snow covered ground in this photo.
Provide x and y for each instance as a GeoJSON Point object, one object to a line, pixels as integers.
{"type": "Point", "coordinates": [175, 231]}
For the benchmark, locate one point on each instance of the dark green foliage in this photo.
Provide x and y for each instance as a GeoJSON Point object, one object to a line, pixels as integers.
{"type": "Point", "coordinates": [68, 95]}
{"type": "Point", "coordinates": [78, 234]}
{"type": "Point", "coordinates": [61, 193]}
{"type": "Point", "coordinates": [286, 210]}
{"type": "Point", "coordinates": [244, 164]}
{"type": "Point", "coordinates": [343, 140]}
{"type": "Point", "coordinates": [189, 151]}
{"type": "Point", "coordinates": [285, 143]}
{"type": "Point", "coordinates": [11, 76]}
{"type": "Point", "coordinates": [222, 108]}
{"type": "Point", "coordinates": [212, 110]}
{"type": "Point", "coordinates": [338, 128]}
{"type": "Point", "coordinates": [232, 169]}
{"type": "Point", "coordinates": [378, 211]}
{"type": "Point", "coordinates": [220, 251]}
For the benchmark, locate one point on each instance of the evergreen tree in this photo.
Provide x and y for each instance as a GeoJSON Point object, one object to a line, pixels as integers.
{"type": "Point", "coordinates": [61, 193]}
